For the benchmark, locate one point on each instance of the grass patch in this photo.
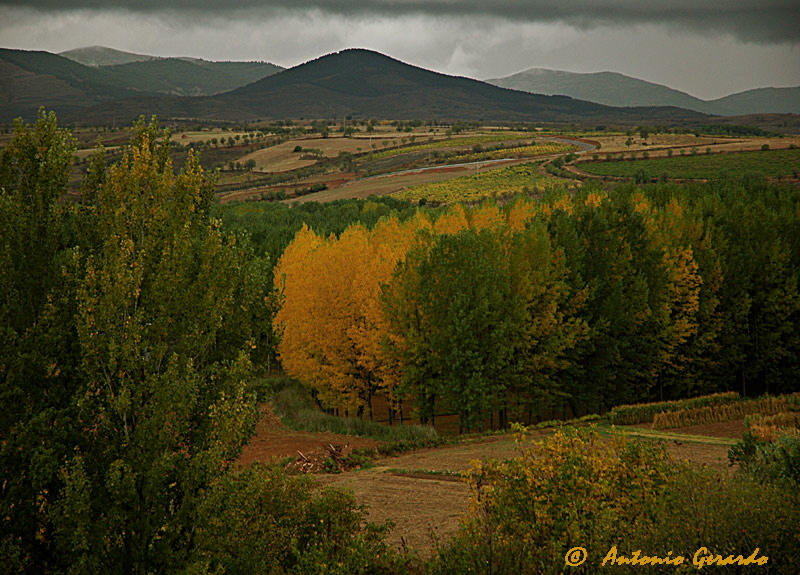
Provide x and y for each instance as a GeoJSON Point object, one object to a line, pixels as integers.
{"type": "Point", "coordinates": [432, 473]}
{"type": "Point", "coordinates": [294, 405]}
{"type": "Point", "coordinates": [770, 164]}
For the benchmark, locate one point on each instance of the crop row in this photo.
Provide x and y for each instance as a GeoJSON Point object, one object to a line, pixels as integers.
{"type": "Point", "coordinates": [465, 142]}
{"type": "Point", "coordinates": [515, 152]}
{"type": "Point", "coordinates": [489, 184]}
{"type": "Point", "coordinates": [646, 412]}
{"type": "Point", "coordinates": [721, 412]}
{"type": "Point", "coordinates": [770, 427]}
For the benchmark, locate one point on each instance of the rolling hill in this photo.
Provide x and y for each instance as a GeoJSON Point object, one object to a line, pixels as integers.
{"type": "Point", "coordinates": [365, 84]}
{"type": "Point", "coordinates": [187, 77]}
{"type": "Point", "coordinates": [614, 89]}
{"type": "Point", "coordinates": [30, 79]}
{"type": "Point", "coordinates": [174, 76]}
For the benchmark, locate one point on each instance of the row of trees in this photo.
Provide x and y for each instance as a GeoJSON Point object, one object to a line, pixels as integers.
{"type": "Point", "coordinates": [588, 301]}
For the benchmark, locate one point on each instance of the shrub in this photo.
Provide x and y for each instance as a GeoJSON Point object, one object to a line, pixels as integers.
{"type": "Point", "coordinates": [571, 489]}
{"type": "Point", "coordinates": [769, 461]}
{"type": "Point", "coordinates": [258, 520]}
{"type": "Point", "coordinates": [728, 516]}
{"type": "Point", "coordinates": [574, 489]}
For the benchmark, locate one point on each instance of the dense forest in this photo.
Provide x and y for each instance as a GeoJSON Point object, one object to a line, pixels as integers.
{"type": "Point", "coordinates": [586, 301]}
{"type": "Point", "coordinates": [135, 316]}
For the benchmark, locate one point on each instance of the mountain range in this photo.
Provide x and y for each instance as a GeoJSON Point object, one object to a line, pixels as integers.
{"type": "Point", "coordinates": [614, 89]}
{"type": "Point", "coordinates": [99, 85]}
{"type": "Point", "coordinates": [76, 80]}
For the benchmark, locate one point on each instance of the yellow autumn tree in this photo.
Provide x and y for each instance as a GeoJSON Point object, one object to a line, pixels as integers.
{"type": "Point", "coordinates": [520, 212]}
{"type": "Point", "coordinates": [486, 216]}
{"type": "Point", "coordinates": [452, 221]}
{"type": "Point", "coordinates": [331, 320]}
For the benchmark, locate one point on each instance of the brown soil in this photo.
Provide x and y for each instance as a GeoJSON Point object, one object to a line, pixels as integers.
{"type": "Point", "coordinates": [412, 491]}
{"type": "Point", "coordinates": [708, 455]}
{"type": "Point", "coordinates": [273, 440]}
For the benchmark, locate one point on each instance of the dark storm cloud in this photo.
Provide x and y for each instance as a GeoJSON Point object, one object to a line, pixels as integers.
{"type": "Point", "coordinates": [762, 21]}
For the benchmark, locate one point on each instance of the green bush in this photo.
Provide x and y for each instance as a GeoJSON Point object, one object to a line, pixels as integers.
{"type": "Point", "coordinates": [260, 521]}
{"type": "Point", "coordinates": [768, 462]}
{"type": "Point", "coordinates": [728, 516]}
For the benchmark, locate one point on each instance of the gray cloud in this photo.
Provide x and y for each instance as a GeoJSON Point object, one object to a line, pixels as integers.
{"type": "Point", "coordinates": [759, 21]}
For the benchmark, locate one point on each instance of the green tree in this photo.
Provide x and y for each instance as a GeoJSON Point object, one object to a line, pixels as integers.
{"type": "Point", "coordinates": [467, 299]}
{"type": "Point", "coordinates": [34, 175]}
{"type": "Point", "coordinates": [34, 388]}
{"type": "Point", "coordinates": [162, 389]}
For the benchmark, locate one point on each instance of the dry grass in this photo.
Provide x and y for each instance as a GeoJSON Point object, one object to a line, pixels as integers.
{"type": "Point", "coordinates": [769, 427]}
{"type": "Point", "coordinates": [716, 413]}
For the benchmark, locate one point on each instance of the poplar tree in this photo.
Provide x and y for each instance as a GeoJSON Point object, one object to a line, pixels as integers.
{"type": "Point", "coordinates": [162, 392]}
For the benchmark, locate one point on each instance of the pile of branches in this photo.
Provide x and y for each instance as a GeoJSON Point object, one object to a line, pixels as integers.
{"type": "Point", "coordinates": [327, 458]}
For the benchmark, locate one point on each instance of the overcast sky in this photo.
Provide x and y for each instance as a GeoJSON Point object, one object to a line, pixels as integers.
{"type": "Point", "coordinates": [704, 47]}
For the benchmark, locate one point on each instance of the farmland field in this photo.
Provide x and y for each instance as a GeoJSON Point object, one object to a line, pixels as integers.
{"type": "Point", "coordinates": [494, 183]}
{"type": "Point", "coordinates": [397, 182]}
{"type": "Point", "coordinates": [457, 142]}
{"type": "Point", "coordinates": [772, 163]}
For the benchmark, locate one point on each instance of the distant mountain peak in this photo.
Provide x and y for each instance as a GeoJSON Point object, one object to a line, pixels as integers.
{"type": "Point", "coordinates": [616, 89]}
